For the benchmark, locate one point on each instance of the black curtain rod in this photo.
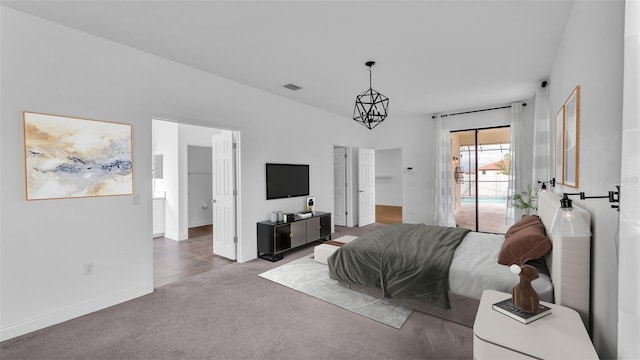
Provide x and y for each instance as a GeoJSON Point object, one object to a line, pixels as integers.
{"type": "Point", "coordinates": [475, 111]}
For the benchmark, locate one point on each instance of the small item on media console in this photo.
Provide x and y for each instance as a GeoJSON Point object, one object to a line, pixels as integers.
{"type": "Point", "coordinates": [280, 216]}
{"type": "Point", "coordinates": [289, 217]}
{"type": "Point", "coordinates": [274, 216]}
{"type": "Point", "coordinates": [311, 201]}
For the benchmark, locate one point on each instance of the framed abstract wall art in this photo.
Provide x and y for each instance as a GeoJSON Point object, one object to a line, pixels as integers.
{"type": "Point", "coordinates": [67, 157]}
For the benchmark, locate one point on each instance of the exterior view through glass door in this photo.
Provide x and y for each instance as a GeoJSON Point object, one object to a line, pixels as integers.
{"type": "Point", "coordinates": [480, 165]}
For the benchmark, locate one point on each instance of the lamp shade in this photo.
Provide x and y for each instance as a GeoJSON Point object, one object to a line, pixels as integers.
{"type": "Point", "coordinates": [568, 222]}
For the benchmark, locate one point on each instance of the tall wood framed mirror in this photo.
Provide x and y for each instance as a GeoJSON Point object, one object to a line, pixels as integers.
{"type": "Point", "coordinates": [571, 139]}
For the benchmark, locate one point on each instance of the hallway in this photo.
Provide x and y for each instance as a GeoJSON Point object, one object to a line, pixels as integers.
{"type": "Point", "coordinates": [176, 260]}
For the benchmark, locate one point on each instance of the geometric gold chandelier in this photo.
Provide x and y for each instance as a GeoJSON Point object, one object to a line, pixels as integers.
{"type": "Point", "coordinates": [371, 107]}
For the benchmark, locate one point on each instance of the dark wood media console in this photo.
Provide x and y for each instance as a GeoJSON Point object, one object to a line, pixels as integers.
{"type": "Point", "coordinates": [274, 238]}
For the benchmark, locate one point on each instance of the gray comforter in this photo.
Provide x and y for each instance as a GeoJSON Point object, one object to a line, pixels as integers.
{"type": "Point", "coordinates": [406, 261]}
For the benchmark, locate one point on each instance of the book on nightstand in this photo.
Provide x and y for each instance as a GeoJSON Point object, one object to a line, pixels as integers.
{"type": "Point", "coordinates": [508, 308]}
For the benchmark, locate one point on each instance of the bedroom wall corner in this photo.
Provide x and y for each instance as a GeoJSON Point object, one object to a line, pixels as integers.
{"type": "Point", "coordinates": [629, 250]}
{"type": "Point", "coordinates": [414, 136]}
{"type": "Point", "coordinates": [591, 55]}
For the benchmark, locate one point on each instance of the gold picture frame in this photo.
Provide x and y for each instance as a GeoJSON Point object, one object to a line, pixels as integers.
{"type": "Point", "coordinates": [68, 157]}
{"type": "Point", "coordinates": [571, 139]}
{"type": "Point", "coordinates": [558, 160]}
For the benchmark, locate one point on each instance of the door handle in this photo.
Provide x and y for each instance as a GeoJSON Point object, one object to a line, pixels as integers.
{"type": "Point", "coordinates": [213, 201]}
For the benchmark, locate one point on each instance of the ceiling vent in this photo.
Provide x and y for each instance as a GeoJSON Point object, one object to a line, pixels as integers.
{"type": "Point", "coordinates": [293, 87]}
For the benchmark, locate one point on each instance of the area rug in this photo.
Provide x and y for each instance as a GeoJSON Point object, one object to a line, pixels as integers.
{"type": "Point", "coordinates": [312, 278]}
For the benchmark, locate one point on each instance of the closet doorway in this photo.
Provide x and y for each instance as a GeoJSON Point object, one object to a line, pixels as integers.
{"type": "Point", "coordinates": [480, 165]}
{"type": "Point", "coordinates": [187, 239]}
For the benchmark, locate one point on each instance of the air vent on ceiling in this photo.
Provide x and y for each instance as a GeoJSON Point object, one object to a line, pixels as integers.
{"type": "Point", "coordinates": [293, 87]}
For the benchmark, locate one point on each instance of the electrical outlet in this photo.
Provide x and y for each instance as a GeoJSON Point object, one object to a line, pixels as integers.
{"type": "Point", "coordinates": [88, 269]}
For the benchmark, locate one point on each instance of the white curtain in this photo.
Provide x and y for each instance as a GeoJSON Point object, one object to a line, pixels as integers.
{"type": "Point", "coordinates": [444, 202]}
{"type": "Point", "coordinates": [515, 177]}
{"type": "Point", "coordinates": [629, 235]}
{"type": "Point", "coordinates": [541, 137]}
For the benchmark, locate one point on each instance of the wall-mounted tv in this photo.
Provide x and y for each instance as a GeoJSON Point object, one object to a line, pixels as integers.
{"type": "Point", "coordinates": [287, 180]}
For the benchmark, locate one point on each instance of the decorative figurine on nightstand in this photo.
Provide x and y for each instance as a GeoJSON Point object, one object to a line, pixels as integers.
{"type": "Point", "coordinates": [523, 294]}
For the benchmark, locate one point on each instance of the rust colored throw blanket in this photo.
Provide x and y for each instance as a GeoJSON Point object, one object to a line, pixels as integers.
{"type": "Point", "coordinates": [406, 261]}
{"type": "Point", "coordinates": [334, 243]}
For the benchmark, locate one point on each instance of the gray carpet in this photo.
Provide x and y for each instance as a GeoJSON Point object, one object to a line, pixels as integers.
{"type": "Point", "coordinates": [312, 278]}
{"type": "Point", "coordinates": [231, 313]}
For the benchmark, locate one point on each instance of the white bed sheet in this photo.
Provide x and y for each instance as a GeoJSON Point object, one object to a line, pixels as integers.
{"type": "Point", "coordinates": [475, 268]}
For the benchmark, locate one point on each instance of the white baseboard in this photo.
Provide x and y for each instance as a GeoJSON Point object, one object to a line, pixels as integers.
{"type": "Point", "coordinates": [69, 313]}
{"type": "Point", "coordinates": [176, 236]}
{"type": "Point", "coordinates": [202, 222]}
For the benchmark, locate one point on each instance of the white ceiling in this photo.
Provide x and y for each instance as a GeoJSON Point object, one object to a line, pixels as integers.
{"type": "Point", "coordinates": [431, 56]}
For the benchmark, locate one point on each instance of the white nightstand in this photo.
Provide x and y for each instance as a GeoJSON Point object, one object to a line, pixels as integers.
{"type": "Point", "coordinates": [560, 335]}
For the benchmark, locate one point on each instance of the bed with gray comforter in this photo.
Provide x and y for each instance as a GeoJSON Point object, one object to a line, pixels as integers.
{"type": "Point", "coordinates": [441, 271]}
{"type": "Point", "coordinates": [405, 261]}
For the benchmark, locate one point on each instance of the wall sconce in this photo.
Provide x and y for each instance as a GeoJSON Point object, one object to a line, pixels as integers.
{"type": "Point", "coordinates": [566, 222]}
{"type": "Point", "coordinates": [551, 182]}
{"type": "Point", "coordinates": [613, 196]}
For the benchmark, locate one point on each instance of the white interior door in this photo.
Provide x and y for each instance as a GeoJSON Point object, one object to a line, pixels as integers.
{"type": "Point", "coordinates": [223, 201]}
{"type": "Point", "coordinates": [366, 187]}
{"type": "Point", "coordinates": [340, 186]}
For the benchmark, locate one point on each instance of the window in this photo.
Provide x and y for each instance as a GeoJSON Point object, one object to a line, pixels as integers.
{"type": "Point", "coordinates": [481, 161]}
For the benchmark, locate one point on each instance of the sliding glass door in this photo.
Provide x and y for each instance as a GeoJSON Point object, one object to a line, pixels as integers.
{"type": "Point", "coordinates": [480, 165]}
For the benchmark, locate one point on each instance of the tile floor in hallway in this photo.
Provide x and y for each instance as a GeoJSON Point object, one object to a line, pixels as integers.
{"type": "Point", "coordinates": [175, 260]}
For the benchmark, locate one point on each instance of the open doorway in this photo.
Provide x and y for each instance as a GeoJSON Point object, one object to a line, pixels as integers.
{"type": "Point", "coordinates": [368, 186]}
{"type": "Point", "coordinates": [354, 186]}
{"type": "Point", "coordinates": [187, 199]}
{"type": "Point", "coordinates": [388, 186]}
{"type": "Point", "coordinates": [480, 165]}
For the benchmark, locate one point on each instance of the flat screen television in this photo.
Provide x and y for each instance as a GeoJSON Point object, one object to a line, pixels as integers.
{"type": "Point", "coordinates": [287, 180]}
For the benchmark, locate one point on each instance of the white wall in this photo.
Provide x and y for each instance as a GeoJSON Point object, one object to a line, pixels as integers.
{"type": "Point", "coordinates": [389, 177]}
{"type": "Point", "coordinates": [591, 55]}
{"type": "Point", "coordinates": [629, 251]}
{"type": "Point", "coordinates": [414, 136]}
{"type": "Point", "coordinates": [44, 244]}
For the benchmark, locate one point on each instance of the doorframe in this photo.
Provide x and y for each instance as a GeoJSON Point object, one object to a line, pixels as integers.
{"type": "Point", "coordinates": [237, 151]}
{"type": "Point", "coordinates": [373, 182]}
{"type": "Point", "coordinates": [349, 191]}
{"type": "Point", "coordinates": [346, 183]}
